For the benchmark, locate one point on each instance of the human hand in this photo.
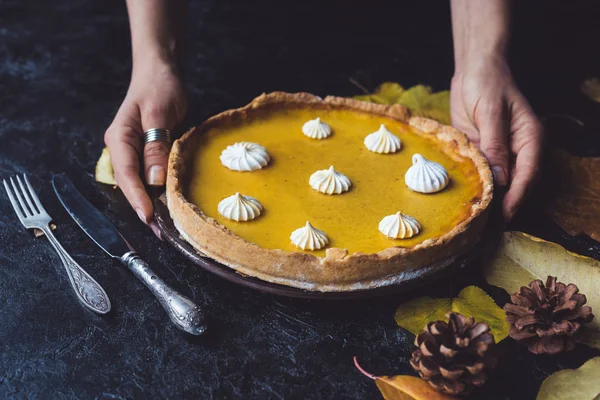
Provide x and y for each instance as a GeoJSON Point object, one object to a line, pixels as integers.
{"type": "Point", "coordinates": [155, 99]}
{"type": "Point", "coordinates": [486, 104]}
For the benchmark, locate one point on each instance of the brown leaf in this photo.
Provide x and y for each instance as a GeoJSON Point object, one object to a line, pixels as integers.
{"type": "Point", "coordinates": [591, 88]}
{"type": "Point", "coordinates": [38, 232]}
{"type": "Point", "coordinates": [404, 387]}
{"type": "Point", "coordinates": [575, 204]}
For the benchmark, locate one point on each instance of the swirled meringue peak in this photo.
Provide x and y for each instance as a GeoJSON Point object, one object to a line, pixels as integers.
{"type": "Point", "coordinates": [245, 156]}
{"type": "Point", "coordinates": [329, 181]}
{"type": "Point", "coordinates": [426, 176]}
{"type": "Point", "coordinates": [399, 226]}
{"type": "Point", "coordinates": [316, 129]}
{"type": "Point", "coordinates": [239, 207]}
{"type": "Point", "coordinates": [382, 141]}
{"type": "Point", "coordinates": [309, 238]}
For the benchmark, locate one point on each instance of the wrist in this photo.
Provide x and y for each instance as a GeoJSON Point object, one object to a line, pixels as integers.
{"type": "Point", "coordinates": [153, 54]}
{"type": "Point", "coordinates": [481, 62]}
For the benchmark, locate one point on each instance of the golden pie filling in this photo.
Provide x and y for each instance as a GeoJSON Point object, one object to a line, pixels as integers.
{"type": "Point", "coordinates": [350, 219]}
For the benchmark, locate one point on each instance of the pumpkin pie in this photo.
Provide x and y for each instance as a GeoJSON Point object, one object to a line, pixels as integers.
{"type": "Point", "coordinates": [327, 194]}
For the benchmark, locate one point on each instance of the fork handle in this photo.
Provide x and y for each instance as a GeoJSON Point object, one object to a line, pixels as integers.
{"type": "Point", "coordinates": [183, 312]}
{"type": "Point", "coordinates": [89, 292]}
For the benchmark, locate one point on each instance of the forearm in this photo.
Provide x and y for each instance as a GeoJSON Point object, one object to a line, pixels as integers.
{"type": "Point", "coordinates": [157, 28]}
{"type": "Point", "coordinates": [480, 30]}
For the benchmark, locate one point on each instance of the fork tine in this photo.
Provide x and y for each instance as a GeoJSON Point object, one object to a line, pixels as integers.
{"type": "Point", "coordinates": [34, 196]}
{"type": "Point", "coordinates": [13, 201]}
{"type": "Point", "coordinates": [17, 193]}
{"type": "Point", "coordinates": [27, 194]}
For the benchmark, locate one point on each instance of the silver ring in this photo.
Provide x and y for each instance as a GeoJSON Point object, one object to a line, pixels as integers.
{"type": "Point", "coordinates": [157, 134]}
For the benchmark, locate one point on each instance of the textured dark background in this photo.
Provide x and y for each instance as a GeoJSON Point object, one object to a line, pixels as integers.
{"type": "Point", "coordinates": [64, 68]}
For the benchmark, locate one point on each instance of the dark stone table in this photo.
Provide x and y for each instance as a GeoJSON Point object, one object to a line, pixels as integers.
{"type": "Point", "coordinates": [64, 68]}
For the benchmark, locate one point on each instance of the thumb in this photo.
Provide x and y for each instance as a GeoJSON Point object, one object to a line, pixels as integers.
{"type": "Point", "coordinates": [493, 131]}
{"type": "Point", "coordinates": [156, 153]}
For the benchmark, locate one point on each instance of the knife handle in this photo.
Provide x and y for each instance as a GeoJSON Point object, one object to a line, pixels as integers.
{"type": "Point", "coordinates": [184, 313]}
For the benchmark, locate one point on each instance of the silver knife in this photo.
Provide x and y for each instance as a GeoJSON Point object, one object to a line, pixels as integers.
{"type": "Point", "coordinates": [184, 313]}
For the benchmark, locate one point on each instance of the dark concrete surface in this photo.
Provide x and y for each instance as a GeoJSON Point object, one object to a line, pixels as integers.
{"type": "Point", "coordinates": [64, 68]}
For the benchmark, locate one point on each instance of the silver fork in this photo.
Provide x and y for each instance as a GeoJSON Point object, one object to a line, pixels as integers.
{"type": "Point", "coordinates": [32, 214]}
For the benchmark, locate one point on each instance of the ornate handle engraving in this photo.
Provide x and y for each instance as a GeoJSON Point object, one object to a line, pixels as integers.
{"type": "Point", "coordinates": [89, 292]}
{"type": "Point", "coordinates": [183, 312]}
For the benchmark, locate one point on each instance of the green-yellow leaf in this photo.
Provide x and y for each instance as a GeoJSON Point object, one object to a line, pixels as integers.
{"type": "Point", "coordinates": [104, 169]}
{"type": "Point", "coordinates": [522, 258]}
{"type": "Point", "coordinates": [582, 383]}
{"type": "Point", "coordinates": [471, 302]}
{"type": "Point", "coordinates": [386, 93]}
{"type": "Point", "coordinates": [419, 99]}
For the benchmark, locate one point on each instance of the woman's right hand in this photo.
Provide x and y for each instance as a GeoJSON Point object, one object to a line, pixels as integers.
{"type": "Point", "coordinates": [155, 99]}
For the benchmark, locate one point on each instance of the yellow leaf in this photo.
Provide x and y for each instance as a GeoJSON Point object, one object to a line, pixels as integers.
{"type": "Point", "coordinates": [591, 88]}
{"type": "Point", "coordinates": [522, 258]}
{"type": "Point", "coordinates": [406, 387]}
{"type": "Point", "coordinates": [582, 383]}
{"type": "Point", "coordinates": [104, 169]}
{"type": "Point", "coordinates": [472, 301]}
{"type": "Point", "coordinates": [419, 99]}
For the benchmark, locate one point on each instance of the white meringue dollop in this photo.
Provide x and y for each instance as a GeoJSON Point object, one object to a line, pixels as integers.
{"type": "Point", "coordinates": [426, 176]}
{"type": "Point", "coordinates": [329, 181]}
{"type": "Point", "coordinates": [309, 238]}
{"type": "Point", "coordinates": [240, 207]}
{"type": "Point", "coordinates": [316, 129]}
{"type": "Point", "coordinates": [245, 156]}
{"type": "Point", "coordinates": [399, 226]}
{"type": "Point", "coordinates": [383, 141]}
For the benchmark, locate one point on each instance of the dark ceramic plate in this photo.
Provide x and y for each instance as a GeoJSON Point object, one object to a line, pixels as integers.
{"type": "Point", "coordinates": [427, 274]}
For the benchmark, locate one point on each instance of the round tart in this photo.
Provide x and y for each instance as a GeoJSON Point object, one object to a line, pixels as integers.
{"type": "Point", "coordinates": [357, 256]}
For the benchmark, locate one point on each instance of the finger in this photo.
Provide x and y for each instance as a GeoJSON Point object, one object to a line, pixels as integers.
{"type": "Point", "coordinates": [125, 145]}
{"type": "Point", "coordinates": [156, 154]}
{"type": "Point", "coordinates": [525, 172]}
{"type": "Point", "coordinates": [493, 131]}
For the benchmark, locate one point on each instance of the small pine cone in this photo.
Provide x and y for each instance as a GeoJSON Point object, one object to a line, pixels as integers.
{"type": "Point", "coordinates": [547, 318]}
{"type": "Point", "coordinates": [455, 356]}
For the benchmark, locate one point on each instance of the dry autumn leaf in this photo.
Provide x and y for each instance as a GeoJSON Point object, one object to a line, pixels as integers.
{"type": "Point", "coordinates": [471, 302]}
{"type": "Point", "coordinates": [419, 99]}
{"type": "Point", "coordinates": [582, 383]}
{"type": "Point", "coordinates": [38, 232]}
{"type": "Point", "coordinates": [575, 204]}
{"type": "Point", "coordinates": [104, 169]}
{"type": "Point", "coordinates": [522, 258]}
{"type": "Point", "coordinates": [404, 387]}
{"type": "Point", "coordinates": [591, 88]}
{"type": "Point", "coordinates": [386, 93]}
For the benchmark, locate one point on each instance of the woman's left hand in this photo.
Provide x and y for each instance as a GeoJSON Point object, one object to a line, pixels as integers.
{"type": "Point", "coordinates": [487, 106]}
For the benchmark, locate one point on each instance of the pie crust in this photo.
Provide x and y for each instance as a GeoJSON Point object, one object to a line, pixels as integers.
{"type": "Point", "coordinates": [337, 270]}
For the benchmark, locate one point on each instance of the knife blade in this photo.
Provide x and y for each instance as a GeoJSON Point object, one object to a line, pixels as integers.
{"type": "Point", "coordinates": [182, 311]}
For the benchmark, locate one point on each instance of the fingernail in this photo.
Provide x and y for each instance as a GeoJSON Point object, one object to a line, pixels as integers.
{"type": "Point", "coordinates": [156, 175]}
{"type": "Point", "coordinates": [499, 176]}
{"type": "Point", "coordinates": [156, 231]}
{"type": "Point", "coordinates": [141, 215]}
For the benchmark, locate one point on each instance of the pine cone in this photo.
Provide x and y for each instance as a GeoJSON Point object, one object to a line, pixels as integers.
{"type": "Point", "coordinates": [454, 357]}
{"type": "Point", "coordinates": [548, 318]}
